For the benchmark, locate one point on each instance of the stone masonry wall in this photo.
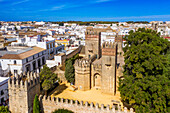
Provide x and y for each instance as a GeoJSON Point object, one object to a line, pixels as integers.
{"type": "Point", "coordinates": [49, 105]}
{"type": "Point", "coordinates": [22, 90]}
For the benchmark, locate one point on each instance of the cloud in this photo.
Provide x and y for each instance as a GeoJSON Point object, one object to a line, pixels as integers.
{"type": "Point", "coordinates": [99, 1]}
{"type": "Point", "coordinates": [54, 8]}
{"type": "Point", "coordinates": [134, 18]}
{"type": "Point", "coordinates": [19, 2]}
{"type": "Point", "coordinates": [67, 6]}
{"type": "Point", "coordinates": [57, 7]}
{"type": "Point", "coordinates": [141, 17]}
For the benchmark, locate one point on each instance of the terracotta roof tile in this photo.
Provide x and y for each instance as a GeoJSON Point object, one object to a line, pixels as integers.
{"type": "Point", "coordinates": [24, 55]}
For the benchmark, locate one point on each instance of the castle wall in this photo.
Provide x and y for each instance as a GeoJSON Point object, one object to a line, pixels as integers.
{"type": "Point", "coordinates": [92, 44]}
{"type": "Point", "coordinates": [120, 57]}
{"type": "Point", "coordinates": [49, 105]}
{"type": "Point", "coordinates": [100, 77]}
{"type": "Point", "coordinates": [18, 101]}
{"type": "Point", "coordinates": [91, 48]}
{"type": "Point", "coordinates": [96, 69]}
{"type": "Point", "coordinates": [109, 68]}
{"type": "Point", "coordinates": [108, 74]}
{"type": "Point", "coordinates": [73, 53]}
{"type": "Point", "coordinates": [22, 90]}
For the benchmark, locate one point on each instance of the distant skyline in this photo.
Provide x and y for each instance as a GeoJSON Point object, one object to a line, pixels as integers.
{"type": "Point", "coordinates": [84, 10]}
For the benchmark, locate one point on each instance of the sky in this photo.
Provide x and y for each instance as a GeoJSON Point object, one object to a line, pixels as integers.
{"type": "Point", "coordinates": [84, 10]}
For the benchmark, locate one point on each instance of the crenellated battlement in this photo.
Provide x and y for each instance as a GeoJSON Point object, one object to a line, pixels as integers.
{"type": "Point", "coordinates": [109, 45]}
{"type": "Point", "coordinates": [109, 48]}
{"type": "Point", "coordinates": [24, 80]}
{"type": "Point", "coordinates": [82, 63]}
{"type": "Point", "coordinates": [82, 73]}
{"type": "Point", "coordinates": [91, 32]}
{"type": "Point", "coordinates": [22, 90]}
{"type": "Point", "coordinates": [77, 106]}
{"type": "Point", "coordinates": [119, 38]}
{"type": "Point", "coordinates": [97, 66]}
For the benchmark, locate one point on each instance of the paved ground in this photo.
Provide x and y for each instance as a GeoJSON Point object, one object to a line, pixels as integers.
{"type": "Point", "coordinates": [95, 96]}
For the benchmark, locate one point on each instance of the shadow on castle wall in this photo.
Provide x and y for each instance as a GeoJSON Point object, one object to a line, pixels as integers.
{"type": "Point", "coordinates": [59, 89]}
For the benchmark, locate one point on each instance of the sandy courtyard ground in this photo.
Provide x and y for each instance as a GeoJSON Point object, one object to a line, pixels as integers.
{"type": "Point", "coordinates": [93, 95]}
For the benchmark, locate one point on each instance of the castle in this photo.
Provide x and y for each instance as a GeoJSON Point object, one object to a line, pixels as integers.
{"type": "Point", "coordinates": [22, 90]}
{"type": "Point", "coordinates": [98, 69]}
{"type": "Point", "coordinates": [24, 87]}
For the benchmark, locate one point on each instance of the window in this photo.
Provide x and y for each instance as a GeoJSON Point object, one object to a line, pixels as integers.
{"type": "Point", "coordinates": [43, 60]}
{"type": "Point", "coordinates": [15, 62]}
{"type": "Point", "coordinates": [34, 65]}
{"type": "Point", "coordinates": [2, 100]}
{"type": "Point", "coordinates": [2, 92]}
{"type": "Point", "coordinates": [15, 71]}
{"type": "Point", "coordinates": [26, 60]}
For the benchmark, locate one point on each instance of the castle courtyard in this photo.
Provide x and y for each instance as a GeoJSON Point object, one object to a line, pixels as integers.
{"type": "Point", "coordinates": [93, 95]}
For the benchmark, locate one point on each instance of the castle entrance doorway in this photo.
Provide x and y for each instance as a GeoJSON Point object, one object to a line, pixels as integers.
{"type": "Point", "coordinates": [97, 81]}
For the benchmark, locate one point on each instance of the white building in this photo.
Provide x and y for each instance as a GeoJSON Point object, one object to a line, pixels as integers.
{"type": "Point", "coordinates": [4, 90]}
{"type": "Point", "coordinates": [58, 59]}
{"type": "Point", "coordinates": [124, 32]}
{"type": "Point", "coordinates": [47, 43]}
{"type": "Point", "coordinates": [23, 59]}
{"type": "Point", "coordinates": [107, 36]}
{"type": "Point", "coordinates": [40, 23]}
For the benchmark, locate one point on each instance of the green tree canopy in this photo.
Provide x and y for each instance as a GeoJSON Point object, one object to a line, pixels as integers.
{"type": "Point", "coordinates": [47, 78]}
{"type": "Point", "coordinates": [145, 84]}
{"type": "Point", "coordinates": [4, 109]}
{"type": "Point", "coordinates": [69, 72]}
{"type": "Point", "coordinates": [15, 28]}
{"type": "Point", "coordinates": [62, 111]}
{"type": "Point", "coordinates": [36, 105]}
{"type": "Point", "coordinates": [69, 69]}
{"type": "Point", "coordinates": [61, 24]}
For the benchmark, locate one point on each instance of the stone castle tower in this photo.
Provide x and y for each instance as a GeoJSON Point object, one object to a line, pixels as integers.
{"type": "Point", "coordinates": [93, 40]}
{"type": "Point", "coordinates": [109, 67]}
{"type": "Point", "coordinates": [98, 69]}
{"type": "Point", "coordinates": [82, 73]}
{"type": "Point", "coordinates": [22, 90]}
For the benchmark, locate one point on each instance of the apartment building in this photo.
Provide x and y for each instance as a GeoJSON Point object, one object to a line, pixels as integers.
{"type": "Point", "coordinates": [4, 91]}
{"type": "Point", "coordinates": [18, 59]}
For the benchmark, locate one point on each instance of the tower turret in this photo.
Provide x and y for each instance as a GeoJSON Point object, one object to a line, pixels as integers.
{"type": "Point", "coordinates": [109, 50]}
{"type": "Point", "coordinates": [93, 40]}
{"type": "Point", "coordinates": [22, 90]}
{"type": "Point", "coordinates": [82, 74]}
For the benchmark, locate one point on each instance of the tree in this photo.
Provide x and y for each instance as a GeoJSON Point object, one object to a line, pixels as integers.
{"type": "Point", "coordinates": [47, 78]}
{"type": "Point", "coordinates": [61, 24]}
{"type": "Point", "coordinates": [145, 84]}
{"type": "Point", "coordinates": [62, 111]}
{"type": "Point", "coordinates": [4, 109]}
{"type": "Point", "coordinates": [36, 105]}
{"type": "Point", "coordinates": [69, 69]}
{"type": "Point", "coordinates": [15, 28]}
